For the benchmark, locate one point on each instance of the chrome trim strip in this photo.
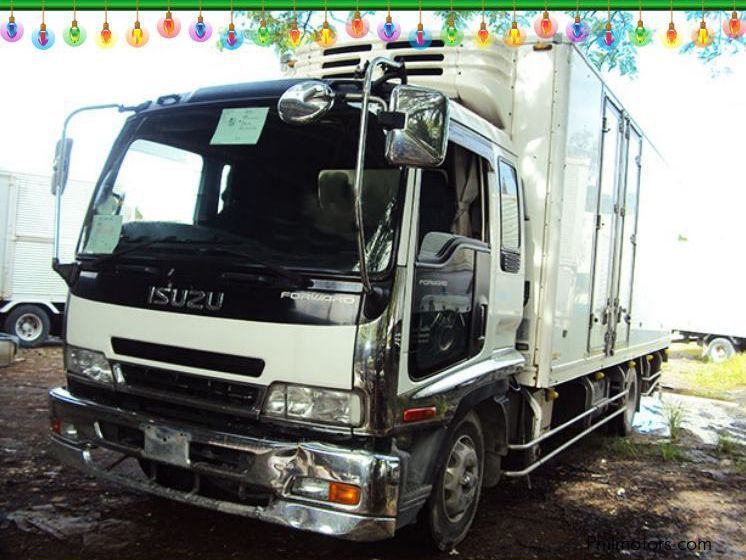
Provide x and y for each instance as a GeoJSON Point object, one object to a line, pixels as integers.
{"type": "Point", "coordinates": [508, 358]}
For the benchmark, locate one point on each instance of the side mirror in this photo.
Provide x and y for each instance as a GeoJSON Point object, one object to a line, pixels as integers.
{"type": "Point", "coordinates": [61, 165]}
{"type": "Point", "coordinates": [306, 102]}
{"type": "Point", "coordinates": [423, 140]}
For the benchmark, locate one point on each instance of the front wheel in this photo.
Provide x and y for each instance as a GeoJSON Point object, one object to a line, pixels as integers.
{"type": "Point", "coordinates": [455, 494]}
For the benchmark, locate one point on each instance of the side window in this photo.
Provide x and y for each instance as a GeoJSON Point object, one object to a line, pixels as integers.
{"type": "Point", "coordinates": [510, 225]}
{"type": "Point", "coordinates": [452, 198]}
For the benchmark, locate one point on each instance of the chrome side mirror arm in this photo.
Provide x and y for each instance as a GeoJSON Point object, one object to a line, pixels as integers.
{"type": "Point", "coordinates": [360, 161]}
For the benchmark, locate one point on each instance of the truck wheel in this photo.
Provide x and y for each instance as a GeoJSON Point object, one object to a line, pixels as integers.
{"type": "Point", "coordinates": [455, 494]}
{"type": "Point", "coordinates": [720, 349]}
{"type": "Point", "coordinates": [30, 323]}
{"type": "Point", "coordinates": [623, 423]}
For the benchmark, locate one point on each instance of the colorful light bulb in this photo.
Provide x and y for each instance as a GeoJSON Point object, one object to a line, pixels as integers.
{"type": "Point", "coordinates": [43, 38]}
{"type": "Point", "coordinates": [514, 37]}
{"type": "Point", "coordinates": [388, 30]}
{"type": "Point", "coordinates": [105, 38]}
{"type": "Point", "coordinates": [231, 38]}
{"type": "Point", "coordinates": [200, 30]}
{"type": "Point", "coordinates": [326, 36]}
{"type": "Point", "coordinates": [74, 35]}
{"type": "Point", "coordinates": [358, 26]}
{"type": "Point", "coordinates": [702, 36]}
{"type": "Point", "coordinates": [577, 30]}
{"type": "Point", "coordinates": [451, 34]}
{"type": "Point", "coordinates": [294, 34]}
{"type": "Point", "coordinates": [545, 26]}
{"type": "Point", "coordinates": [137, 36]}
{"type": "Point", "coordinates": [608, 38]}
{"type": "Point", "coordinates": [671, 37]}
{"type": "Point", "coordinates": [11, 31]}
{"type": "Point", "coordinates": [483, 38]}
{"type": "Point", "coordinates": [262, 36]}
{"type": "Point", "coordinates": [168, 26]}
{"type": "Point", "coordinates": [734, 27]}
{"type": "Point", "coordinates": [420, 38]}
{"type": "Point", "coordinates": [640, 36]}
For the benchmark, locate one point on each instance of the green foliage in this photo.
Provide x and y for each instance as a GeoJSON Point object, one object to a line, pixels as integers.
{"type": "Point", "coordinates": [726, 445]}
{"type": "Point", "coordinates": [674, 414]}
{"type": "Point", "coordinates": [716, 380]}
{"type": "Point", "coordinates": [622, 59]}
{"type": "Point", "coordinates": [672, 452]}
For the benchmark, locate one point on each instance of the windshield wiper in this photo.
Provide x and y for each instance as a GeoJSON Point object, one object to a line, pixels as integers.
{"type": "Point", "coordinates": [279, 270]}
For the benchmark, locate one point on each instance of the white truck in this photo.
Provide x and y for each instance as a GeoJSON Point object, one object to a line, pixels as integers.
{"type": "Point", "coordinates": [715, 314]}
{"type": "Point", "coordinates": [349, 300]}
{"type": "Point", "coordinates": [32, 296]}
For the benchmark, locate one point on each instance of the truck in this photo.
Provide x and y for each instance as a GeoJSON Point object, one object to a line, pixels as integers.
{"type": "Point", "coordinates": [348, 300]}
{"type": "Point", "coordinates": [712, 318]}
{"type": "Point", "coordinates": [32, 296]}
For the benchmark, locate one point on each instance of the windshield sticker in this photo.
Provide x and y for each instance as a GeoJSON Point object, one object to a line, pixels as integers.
{"type": "Point", "coordinates": [240, 126]}
{"type": "Point", "coordinates": [105, 232]}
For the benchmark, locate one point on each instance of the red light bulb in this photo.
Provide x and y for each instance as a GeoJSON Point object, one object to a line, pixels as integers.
{"type": "Point", "coordinates": [546, 24]}
{"type": "Point", "coordinates": [483, 36]}
{"type": "Point", "coordinates": [357, 24]}
{"type": "Point", "coordinates": [671, 34]}
{"type": "Point", "coordinates": [735, 25]}
{"type": "Point", "coordinates": [420, 34]}
{"type": "Point", "coordinates": [294, 34]}
{"type": "Point", "coordinates": [608, 35]}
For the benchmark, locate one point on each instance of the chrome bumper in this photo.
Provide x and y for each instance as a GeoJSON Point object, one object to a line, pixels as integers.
{"type": "Point", "coordinates": [270, 467]}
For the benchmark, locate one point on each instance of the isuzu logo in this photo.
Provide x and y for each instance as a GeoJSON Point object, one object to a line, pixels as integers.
{"type": "Point", "coordinates": [183, 298]}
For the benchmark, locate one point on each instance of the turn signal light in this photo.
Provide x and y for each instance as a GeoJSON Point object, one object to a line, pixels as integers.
{"type": "Point", "coordinates": [55, 425]}
{"type": "Point", "coordinates": [419, 414]}
{"type": "Point", "coordinates": [346, 494]}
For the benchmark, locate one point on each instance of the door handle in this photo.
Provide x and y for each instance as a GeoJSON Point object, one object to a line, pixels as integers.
{"type": "Point", "coordinates": [482, 324]}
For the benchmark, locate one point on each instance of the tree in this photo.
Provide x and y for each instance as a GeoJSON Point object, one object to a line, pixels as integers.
{"type": "Point", "coordinates": [622, 58]}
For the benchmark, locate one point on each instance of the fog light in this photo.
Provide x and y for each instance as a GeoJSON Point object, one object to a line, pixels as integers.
{"type": "Point", "coordinates": [68, 430]}
{"type": "Point", "coordinates": [327, 491]}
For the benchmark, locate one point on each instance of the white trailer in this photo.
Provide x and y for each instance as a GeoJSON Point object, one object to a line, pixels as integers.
{"type": "Point", "coordinates": [349, 302]}
{"type": "Point", "coordinates": [32, 296]}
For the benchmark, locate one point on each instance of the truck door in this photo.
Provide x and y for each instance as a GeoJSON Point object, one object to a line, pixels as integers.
{"type": "Point", "coordinates": [603, 270]}
{"type": "Point", "coordinates": [629, 195]}
{"type": "Point", "coordinates": [453, 260]}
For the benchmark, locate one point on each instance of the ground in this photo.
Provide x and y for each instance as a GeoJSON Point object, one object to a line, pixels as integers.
{"type": "Point", "coordinates": [605, 493]}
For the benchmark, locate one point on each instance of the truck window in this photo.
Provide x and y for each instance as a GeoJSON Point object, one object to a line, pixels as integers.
{"type": "Point", "coordinates": [510, 226]}
{"type": "Point", "coordinates": [452, 197]}
{"type": "Point", "coordinates": [157, 182]}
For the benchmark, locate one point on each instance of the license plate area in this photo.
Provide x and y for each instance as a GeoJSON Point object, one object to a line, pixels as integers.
{"type": "Point", "coordinates": [166, 445]}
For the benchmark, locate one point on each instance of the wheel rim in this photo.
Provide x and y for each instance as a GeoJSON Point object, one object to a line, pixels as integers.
{"type": "Point", "coordinates": [719, 353]}
{"type": "Point", "coordinates": [28, 327]}
{"type": "Point", "coordinates": [461, 479]}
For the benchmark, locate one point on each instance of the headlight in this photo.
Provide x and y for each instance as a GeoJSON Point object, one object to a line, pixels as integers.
{"type": "Point", "coordinates": [88, 363]}
{"type": "Point", "coordinates": [297, 402]}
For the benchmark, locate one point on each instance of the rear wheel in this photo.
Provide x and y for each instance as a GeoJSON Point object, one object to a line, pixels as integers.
{"type": "Point", "coordinates": [455, 494]}
{"type": "Point", "coordinates": [720, 349]}
{"type": "Point", "coordinates": [30, 323]}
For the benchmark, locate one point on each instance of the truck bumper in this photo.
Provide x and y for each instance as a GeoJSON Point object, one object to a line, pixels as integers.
{"type": "Point", "coordinates": [93, 437]}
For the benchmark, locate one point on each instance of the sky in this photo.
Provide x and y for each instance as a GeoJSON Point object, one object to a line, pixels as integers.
{"type": "Point", "coordinates": [696, 120]}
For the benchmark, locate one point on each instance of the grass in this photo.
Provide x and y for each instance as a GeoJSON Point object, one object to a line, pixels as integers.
{"type": "Point", "coordinates": [671, 452]}
{"type": "Point", "coordinates": [726, 445]}
{"type": "Point", "coordinates": [716, 380]}
{"type": "Point", "coordinates": [622, 447]}
{"type": "Point", "coordinates": [674, 415]}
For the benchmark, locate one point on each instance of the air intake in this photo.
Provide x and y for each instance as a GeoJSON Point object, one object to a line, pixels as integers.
{"type": "Point", "coordinates": [480, 79]}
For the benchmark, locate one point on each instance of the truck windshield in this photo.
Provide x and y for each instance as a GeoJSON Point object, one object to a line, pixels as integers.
{"type": "Point", "coordinates": [240, 177]}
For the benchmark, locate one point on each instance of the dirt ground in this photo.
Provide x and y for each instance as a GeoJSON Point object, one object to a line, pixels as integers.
{"type": "Point", "coordinates": [624, 495]}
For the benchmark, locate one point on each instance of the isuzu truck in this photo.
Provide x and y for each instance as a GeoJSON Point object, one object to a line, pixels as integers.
{"type": "Point", "coordinates": [349, 300]}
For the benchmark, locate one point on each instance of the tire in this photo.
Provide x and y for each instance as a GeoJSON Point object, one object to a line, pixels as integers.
{"type": "Point", "coordinates": [622, 424]}
{"type": "Point", "coordinates": [455, 495]}
{"type": "Point", "coordinates": [30, 323]}
{"type": "Point", "coordinates": [720, 349]}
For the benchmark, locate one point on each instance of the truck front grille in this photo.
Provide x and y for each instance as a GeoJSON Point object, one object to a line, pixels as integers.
{"type": "Point", "coordinates": [187, 389]}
